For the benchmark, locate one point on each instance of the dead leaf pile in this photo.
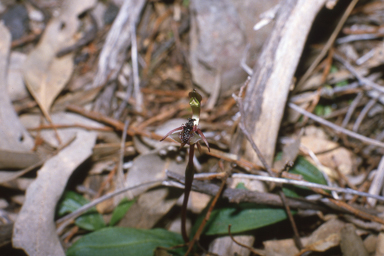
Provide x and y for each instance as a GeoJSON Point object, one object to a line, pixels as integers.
{"type": "Point", "coordinates": [88, 89]}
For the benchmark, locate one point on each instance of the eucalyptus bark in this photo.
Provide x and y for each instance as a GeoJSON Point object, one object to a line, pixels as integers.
{"type": "Point", "coordinates": [272, 77]}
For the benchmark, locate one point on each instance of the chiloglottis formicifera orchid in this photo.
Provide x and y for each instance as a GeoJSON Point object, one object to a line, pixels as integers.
{"type": "Point", "coordinates": [189, 133]}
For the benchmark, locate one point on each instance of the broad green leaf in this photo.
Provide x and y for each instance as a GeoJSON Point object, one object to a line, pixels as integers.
{"type": "Point", "coordinates": [116, 241]}
{"type": "Point", "coordinates": [242, 217]}
{"type": "Point", "coordinates": [120, 211]}
{"type": "Point", "coordinates": [245, 216]}
{"type": "Point", "coordinates": [90, 220]}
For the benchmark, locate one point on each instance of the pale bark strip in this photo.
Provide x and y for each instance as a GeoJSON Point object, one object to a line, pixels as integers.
{"type": "Point", "coordinates": [269, 86]}
{"type": "Point", "coordinates": [35, 230]}
{"type": "Point", "coordinates": [118, 40]}
{"type": "Point", "coordinates": [13, 135]}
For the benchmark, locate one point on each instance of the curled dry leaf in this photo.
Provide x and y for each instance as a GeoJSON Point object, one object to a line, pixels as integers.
{"type": "Point", "coordinates": [34, 229]}
{"type": "Point", "coordinates": [15, 140]}
{"type": "Point", "coordinates": [44, 73]}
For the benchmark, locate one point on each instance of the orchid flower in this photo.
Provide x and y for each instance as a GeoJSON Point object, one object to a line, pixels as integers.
{"type": "Point", "coordinates": [190, 134]}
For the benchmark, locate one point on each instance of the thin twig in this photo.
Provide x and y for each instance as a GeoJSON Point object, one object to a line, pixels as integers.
{"type": "Point", "coordinates": [243, 61]}
{"type": "Point", "coordinates": [69, 126]}
{"type": "Point", "coordinates": [377, 182]}
{"type": "Point", "coordinates": [363, 113]}
{"type": "Point", "coordinates": [336, 127]}
{"type": "Point", "coordinates": [327, 46]}
{"type": "Point", "coordinates": [363, 80]}
{"type": "Point", "coordinates": [120, 181]}
{"type": "Point", "coordinates": [242, 245]}
{"type": "Point", "coordinates": [267, 167]}
{"type": "Point", "coordinates": [351, 109]}
{"type": "Point", "coordinates": [135, 68]}
{"type": "Point", "coordinates": [307, 184]}
{"type": "Point", "coordinates": [127, 96]}
{"type": "Point", "coordinates": [196, 237]}
{"type": "Point", "coordinates": [256, 149]}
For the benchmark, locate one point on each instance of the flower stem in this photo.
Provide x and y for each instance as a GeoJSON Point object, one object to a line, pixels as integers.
{"type": "Point", "coordinates": [189, 171]}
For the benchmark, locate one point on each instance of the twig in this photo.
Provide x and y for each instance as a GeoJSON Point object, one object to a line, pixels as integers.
{"type": "Point", "coordinates": [196, 237]}
{"type": "Point", "coordinates": [351, 109]}
{"type": "Point", "coordinates": [243, 245]}
{"type": "Point", "coordinates": [124, 102]}
{"type": "Point", "coordinates": [363, 113]}
{"type": "Point", "coordinates": [69, 126]}
{"type": "Point", "coordinates": [241, 195]}
{"type": "Point", "coordinates": [377, 183]}
{"type": "Point", "coordinates": [64, 221]}
{"type": "Point", "coordinates": [119, 172]}
{"type": "Point", "coordinates": [363, 80]}
{"type": "Point", "coordinates": [355, 211]}
{"type": "Point", "coordinates": [135, 68]}
{"type": "Point", "coordinates": [336, 127]}
{"type": "Point", "coordinates": [243, 61]}
{"type": "Point", "coordinates": [351, 38]}
{"type": "Point", "coordinates": [117, 42]}
{"type": "Point", "coordinates": [327, 46]}
{"type": "Point", "coordinates": [259, 154]}
{"type": "Point", "coordinates": [307, 184]}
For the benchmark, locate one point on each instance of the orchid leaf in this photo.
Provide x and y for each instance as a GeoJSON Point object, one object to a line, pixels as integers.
{"type": "Point", "coordinates": [121, 210]}
{"type": "Point", "coordinates": [126, 241]}
{"type": "Point", "coordinates": [90, 220]}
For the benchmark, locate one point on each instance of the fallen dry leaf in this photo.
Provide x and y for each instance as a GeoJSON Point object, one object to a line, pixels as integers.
{"type": "Point", "coordinates": [340, 157]}
{"type": "Point", "coordinates": [150, 167]}
{"type": "Point", "coordinates": [16, 159]}
{"type": "Point", "coordinates": [44, 73]}
{"type": "Point", "coordinates": [284, 247]}
{"type": "Point", "coordinates": [15, 140]}
{"type": "Point", "coordinates": [351, 244]}
{"type": "Point", "coordinates": [34, 230]}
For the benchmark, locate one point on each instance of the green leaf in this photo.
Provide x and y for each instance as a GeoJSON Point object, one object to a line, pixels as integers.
{"type": "Point", "coordinates": [342, 83]}
{"type": "Point", "coordinates": [120, 211]}
{"type": "Point", "coordinates": [323, 110]}
{"type": "Point", "coordinates": [115, 241]}
{"type": "Point", "coordinates": [247, 216]}
{"type": "Point", "coordinates": [308, 171]}
{"type": "Point", "coordinates": [70, 202]}
{"type": "Point", "coordinates": [90, 220]}
{"type": "Point", "coordinates": [242, 217]}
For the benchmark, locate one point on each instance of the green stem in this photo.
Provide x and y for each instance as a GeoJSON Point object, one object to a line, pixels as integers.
{"type": "Point", "coordinates": [189, 171]}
